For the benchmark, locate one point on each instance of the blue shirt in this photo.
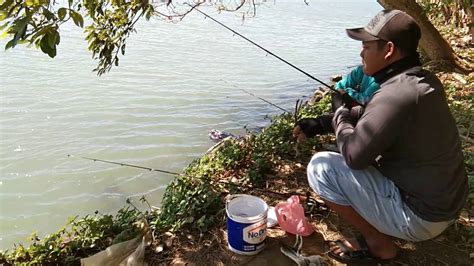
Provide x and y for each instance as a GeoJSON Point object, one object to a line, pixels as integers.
{"type": "Point", "coordinates": [358, 85]}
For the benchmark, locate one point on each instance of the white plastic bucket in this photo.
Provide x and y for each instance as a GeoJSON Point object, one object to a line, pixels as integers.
{"type": "Point", "coordinates": [246, 224]}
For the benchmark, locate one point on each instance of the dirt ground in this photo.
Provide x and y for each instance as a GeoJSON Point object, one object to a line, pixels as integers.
{"type": "Point", "coordinates": [450, 248]}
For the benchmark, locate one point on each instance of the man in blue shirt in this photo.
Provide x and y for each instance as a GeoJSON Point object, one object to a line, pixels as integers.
{"type": "Point", "coordinates": [358, 86]}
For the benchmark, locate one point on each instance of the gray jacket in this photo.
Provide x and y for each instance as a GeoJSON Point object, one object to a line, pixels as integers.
{"type": "Point", "coordinates": [409, 127]}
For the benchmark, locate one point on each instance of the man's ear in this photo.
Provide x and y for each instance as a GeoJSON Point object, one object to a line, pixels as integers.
{"type": "Point", "coordinates": [390, 50]}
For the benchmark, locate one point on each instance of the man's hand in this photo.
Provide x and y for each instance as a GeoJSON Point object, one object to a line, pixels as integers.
{"type": "Point", "coordinates": [298, 134]}
{"type": "Point", "coordinates": [338, 100]}
{"type": "Point", "coordinates": [307, 128]}
{"type": "Point", "coordinates": [310, 127]}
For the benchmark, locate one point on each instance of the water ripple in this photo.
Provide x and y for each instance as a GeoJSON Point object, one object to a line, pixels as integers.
{"type": "Point", "coordinates": [176, 82]}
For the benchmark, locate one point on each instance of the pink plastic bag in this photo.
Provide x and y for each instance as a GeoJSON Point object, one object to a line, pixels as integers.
{"type": "Point", "coordinates": [290, 216]}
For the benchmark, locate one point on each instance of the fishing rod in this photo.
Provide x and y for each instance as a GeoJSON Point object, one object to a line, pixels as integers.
{"type": "Point", "coordinates": [248, 92]}
{"type": "Point", "coordinates": [174, 173]}
{"type": "Point", "coordinates": [126, 164]}
{"type": "Point", "coordinates": [259, 46]}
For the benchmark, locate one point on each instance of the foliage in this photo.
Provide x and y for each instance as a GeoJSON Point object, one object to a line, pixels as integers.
{"type": "Point", "coordinates": [196, 198]}
{"type": "Point", "coordinates": [449, 11]}
{"type": "Point", "coordinates": [37, 22]}
{"type": "Point", "coordinates": [77, 239]}
{"type": "Point", "coordinates": [276, 142]}
{"type": "Point", "coordinates": [462, 107]}
{"type": "Point", "coordinates": [107, 23]}
{"type": "Point", "coordinates": [191, 199]}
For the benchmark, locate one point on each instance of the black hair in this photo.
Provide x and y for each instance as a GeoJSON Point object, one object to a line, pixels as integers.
{"type": "Point", "coordinates": [381, 43]}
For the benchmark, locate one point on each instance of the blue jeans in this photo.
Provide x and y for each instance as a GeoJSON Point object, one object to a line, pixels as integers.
{"type": "Point", "coordinates": [369, 193]}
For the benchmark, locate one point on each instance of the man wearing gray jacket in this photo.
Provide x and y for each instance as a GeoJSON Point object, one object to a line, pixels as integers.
{"type": "Point", "coordinates": [400, 171]}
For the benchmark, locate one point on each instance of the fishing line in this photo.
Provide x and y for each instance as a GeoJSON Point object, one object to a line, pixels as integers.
{"type": "Point", "coordinates": [248, 92]}
{"type": "Point", "coordinates": [174, 173]}
{"type": "Point", "coordinates": [259, 46]}
{"type": "Point", "coordinates": [272, 104]}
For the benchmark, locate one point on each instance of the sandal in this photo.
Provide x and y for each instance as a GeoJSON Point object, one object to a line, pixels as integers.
{"type": "Point", "coordinates": [348, 255]}
{"type": "Point", "coordinates": [294, 253]}
{"type": "Point", "coordinates": [313, 206]}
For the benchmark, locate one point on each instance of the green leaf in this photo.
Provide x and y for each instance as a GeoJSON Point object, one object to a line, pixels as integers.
{"type": "Point", "coordinates": [48, 14]}
{"type": "Point", "coordinates": [51, 51]}
{"type": "Point", "coordinates": [99, 10]}
{"type": "Point", "coordinates": [20, 30]}
{"type": "Point", "coordinates": [9, 45]}
{"type": "Point", "coordinates": [51, 35]}
{"type": "Point", "coordinates": [58, 37]}
{"type": "Point", "coordinates": [149, 12]}
{"type": "Point", "coordinates": [30, 2]}
{"type": "Point", "coordinates": [4, 26]}
{"type": "Point", "coordinates": [6, 5]}
{"type": "Point", "coordinates": [77, 18]}
{"type": "Point", "coordinates": [17, 37]}
{"type": "Point", "coordinates": [62, 13]}
{"type": "Point", "coordinates": [3, 15]}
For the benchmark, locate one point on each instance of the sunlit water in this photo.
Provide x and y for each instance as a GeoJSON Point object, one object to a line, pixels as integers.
{"type": "Point", "coordinates": [175, 83]}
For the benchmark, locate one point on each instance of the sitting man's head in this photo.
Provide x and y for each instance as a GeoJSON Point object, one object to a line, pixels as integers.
{"type": "Point", "coordinates": [390, 36]}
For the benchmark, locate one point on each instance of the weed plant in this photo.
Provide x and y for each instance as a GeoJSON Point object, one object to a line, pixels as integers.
{"type": "Point", "coordinates": [77, 239]}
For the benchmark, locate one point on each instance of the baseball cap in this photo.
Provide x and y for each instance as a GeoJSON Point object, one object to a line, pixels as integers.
{"type": "Point", "coordinates": [390, 25]}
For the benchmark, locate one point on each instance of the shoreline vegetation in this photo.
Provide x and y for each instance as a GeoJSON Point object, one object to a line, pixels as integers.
{"type": "Point", "coordinates": [189, 227]}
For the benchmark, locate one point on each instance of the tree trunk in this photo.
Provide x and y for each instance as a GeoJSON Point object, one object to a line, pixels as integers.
{"type": "Point", "coordinates": [433, 45]}
{"type": "Point", "coordinates": [471, 24]}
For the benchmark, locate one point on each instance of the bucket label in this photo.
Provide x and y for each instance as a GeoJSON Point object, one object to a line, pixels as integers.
{"type": "Point", "coordinates": [255, 233]}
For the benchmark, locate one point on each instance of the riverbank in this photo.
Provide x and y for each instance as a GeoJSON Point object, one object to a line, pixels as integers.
{"type": "Point", "coordinates": [190, 225]}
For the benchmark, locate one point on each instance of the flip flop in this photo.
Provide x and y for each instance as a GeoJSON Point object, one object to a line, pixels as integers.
{"type": "Point", "coordinates": [313, 206]}
{"type": "Point", "coordinates": [348, 255]}
{"type": "Point", "coordinates": [294, 253]}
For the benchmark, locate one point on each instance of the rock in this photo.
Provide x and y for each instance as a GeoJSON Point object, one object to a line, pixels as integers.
{"type": "Point", "coordinates": [190, 219]}
{"type": "Point", "coordinates": [168, 234]}
{"type": "Point", "coordinates": [168, 239]}
{"type": "Point", "coordinates": [336, 78]}
{"type": "Point", "coordinates": [169, 242]}
{"type": "Point", "coordinates": [330, 147]}
{"type": "Point", "coordinates": [159, 248]}
{"type": "Point", "coordinates": [459, 78]}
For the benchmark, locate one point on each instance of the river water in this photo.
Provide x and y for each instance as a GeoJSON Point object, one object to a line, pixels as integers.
{"type": "Point", "coordinates": [175, 83]}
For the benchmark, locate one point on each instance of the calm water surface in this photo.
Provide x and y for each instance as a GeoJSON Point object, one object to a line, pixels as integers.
{"type": "Point", "coordinates": [175, 83]}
